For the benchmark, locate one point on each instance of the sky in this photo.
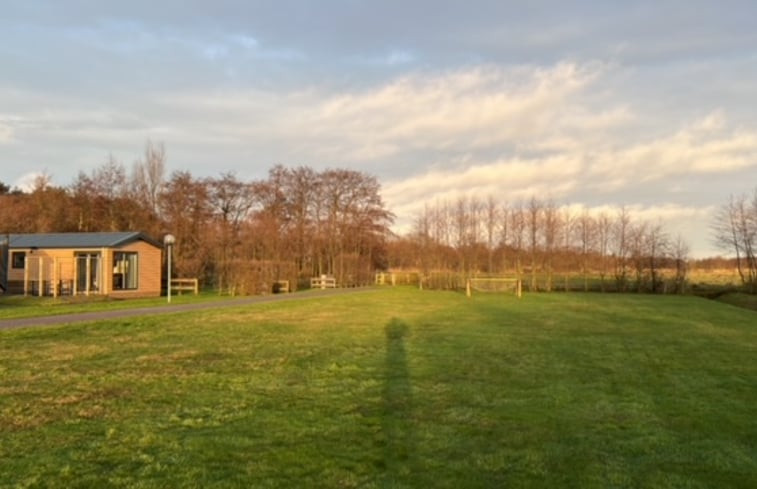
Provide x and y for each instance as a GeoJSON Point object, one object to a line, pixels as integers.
{"type": "Point", "coordinates": [597, 104]}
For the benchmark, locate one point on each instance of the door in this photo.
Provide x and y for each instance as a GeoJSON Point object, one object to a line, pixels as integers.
{"type": "Point", "coordinates": [88, 273]}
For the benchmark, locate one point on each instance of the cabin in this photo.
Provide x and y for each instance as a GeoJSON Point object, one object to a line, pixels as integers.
{"type": "Point", "coordinates": [119, 265]}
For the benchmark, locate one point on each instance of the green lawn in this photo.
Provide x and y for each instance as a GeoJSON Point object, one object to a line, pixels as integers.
{"type": "Point", "coordinates": [740, 299]}
{"type": "Point", "coordinates": [17, 306]}
{"type": "Point", "coordinates": [394, 388]}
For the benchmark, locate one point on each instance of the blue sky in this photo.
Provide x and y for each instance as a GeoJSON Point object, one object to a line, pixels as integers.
{"type": "Point", "coordinates": [598, 104]}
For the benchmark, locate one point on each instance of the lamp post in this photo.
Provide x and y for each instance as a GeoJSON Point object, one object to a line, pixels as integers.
{"type": "Point", "coordinates": [168, 241]}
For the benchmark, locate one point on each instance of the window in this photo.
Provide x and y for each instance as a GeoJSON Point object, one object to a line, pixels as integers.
{"type": "Point", "coordinates": [18, 258]}
{"type": "Point", "coordinates": [125, 271]}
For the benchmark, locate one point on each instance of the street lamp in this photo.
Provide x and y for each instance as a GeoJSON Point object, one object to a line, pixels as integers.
{"type": "Point", "coordinates": [168, 241]}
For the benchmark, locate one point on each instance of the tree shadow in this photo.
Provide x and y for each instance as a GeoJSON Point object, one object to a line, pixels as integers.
{"type": "Point", "coordinates": [397, 420]}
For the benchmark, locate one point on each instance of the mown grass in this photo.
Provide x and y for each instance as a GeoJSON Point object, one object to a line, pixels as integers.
{"type": "Point", "coordinates": [396, 388]}
{"type": "Point", "coordinates": [18, 306]}
{"type": "Point", "coordinates": [739, 299]}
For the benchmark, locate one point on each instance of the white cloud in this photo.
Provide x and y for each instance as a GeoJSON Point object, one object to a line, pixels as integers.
{"type": "Point", "coordinates": [6, 133]}
{"type": "Point", "coordinates": [510, 180]}
{"type": "Point", "coordinates": [27, 181]}
{"type": "Point", "coordinates": [459, 111]}
{"type": "Point", "coordinates": [704, 146]}
{"type": "Point", "coordinates": [246, 41]}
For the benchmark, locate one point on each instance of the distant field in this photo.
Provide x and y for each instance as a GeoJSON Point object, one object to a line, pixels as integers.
{"type": "Point", "coordinates": [395, 388]}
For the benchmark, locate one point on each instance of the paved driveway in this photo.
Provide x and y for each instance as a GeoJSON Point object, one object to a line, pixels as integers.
{"type": "Point", "coordinates": [167, 309]}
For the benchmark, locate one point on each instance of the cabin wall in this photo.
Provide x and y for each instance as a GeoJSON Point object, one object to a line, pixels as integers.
{"type": "Point", "coordinates": [59, 265]}
{"type": "Point", "coordinates": [149, 265]}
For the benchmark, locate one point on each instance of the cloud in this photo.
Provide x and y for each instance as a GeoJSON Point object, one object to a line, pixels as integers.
{"type": "Point", "coordinates": [6, 133]}
{"type": "Point", "coordinates": [704, 146]}
{"type": "Point", "coordinates": [453, 112]}
{"type": "Point", "coordinates": [508, 180]}
{"type": "Point", "coordinates": [27, 181]}
{"type": "Point", "coordinates": [461, 110]}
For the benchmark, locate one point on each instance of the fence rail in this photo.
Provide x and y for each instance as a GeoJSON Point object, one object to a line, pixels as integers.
{"type": "Point", "coordinates": [323, 282]}
{"type": "Point", "coordinates": [281, 287]}
{"type": "Point", "coordinates": [185, 284]}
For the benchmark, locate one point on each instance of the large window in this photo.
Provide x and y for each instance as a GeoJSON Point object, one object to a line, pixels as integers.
{"type": "Point", "coordinates": [125, 271]}
{"type": "Point", "coordinates": [18, 259]}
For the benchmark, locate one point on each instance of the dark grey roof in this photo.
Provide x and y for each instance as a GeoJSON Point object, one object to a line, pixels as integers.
{"type": "Point", "coordinates": [77, 240]}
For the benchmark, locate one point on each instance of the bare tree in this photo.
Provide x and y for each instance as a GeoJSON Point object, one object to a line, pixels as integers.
{"type": "Point", "coordinates": [517, 233]}
{"type": "Point", "coordinates": [461, 226]}
{"type": "Point", "coordinates": [102, 199]}
{"type": "Point", "coordinates": [185, 204]}
{"type": "Point", "coordinates": [680, 254]}
{"type": "Point", "coordinates": [422, 230]}
{"type": "Point", "coordinates": [148, 175]}
{"type": "Point", "coordinates": [302, 189]}
{"type": "Point", "coordinates": [657, 248]}
{"type": "Point", "coordinates": [551, 230]}
{"type": "Point", "coordinates": [735, 230]}
{"type": "Point", "coordinates": [587, 231]}
{"type": "Point", "coordinates": [567, 223]}
{"type": "Point", "coordinates": [491, 220]}
{"type": "Point", "coordinates": [355, 220]}
{"type": "Point", "coordinates": [635, 240]}
{"type": "Point", "coordinates": [441, 225]}
{"type": "Point", "coordinates": [231, 201]}
{"type": "Point", "coordinates": [620, 230]}
{"type": "Point", "coordinates": [473, 238]}
{"type": "Point", "coordinates": [604, 232]}
{"type": "Point", "coordinates": [533, 221]}
{"type": "Point", "coordinates": [505, 234]}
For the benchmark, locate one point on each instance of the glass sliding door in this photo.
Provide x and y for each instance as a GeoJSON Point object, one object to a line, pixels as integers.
{"type": "Point", "coordinates": [88, 273]}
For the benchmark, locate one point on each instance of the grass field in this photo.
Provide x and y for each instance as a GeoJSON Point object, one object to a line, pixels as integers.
{"type": "Point", "coordinates": [394, 388]}
{"type": "Point", "coordinates": [18, 306]}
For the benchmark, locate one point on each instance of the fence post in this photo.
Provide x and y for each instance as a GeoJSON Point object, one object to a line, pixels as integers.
{"type": "Point", "coordinates": [40, 276]}
{"type": "Point", "coordinates": [55, 277]}
{"type": "Point", "coordinates": [26, 275]}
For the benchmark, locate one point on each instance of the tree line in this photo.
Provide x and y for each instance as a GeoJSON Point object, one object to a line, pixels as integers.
{"type": "Point", "coordinates": [239, 236]}
{"type": "Point", "coordinates": [735, 231]}
{"type": "Point", "coordinates": [538, 241]}
{"type": "Point", "coordinates": [244, 236]}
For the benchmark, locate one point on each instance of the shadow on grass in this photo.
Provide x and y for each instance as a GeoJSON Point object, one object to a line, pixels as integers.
{"type": "Point", "coordinates": [397, 423]}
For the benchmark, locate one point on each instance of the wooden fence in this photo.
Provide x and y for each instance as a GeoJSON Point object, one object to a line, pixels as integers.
{"type": "Point", "coordinates": [185, 284]}
{"type": "Point", "coordinates": [323, 282]}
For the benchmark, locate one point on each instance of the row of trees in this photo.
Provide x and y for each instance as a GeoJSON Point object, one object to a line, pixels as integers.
{"type": "Point", "coordinates": [236, 235]}
{"type": "Point", "coordinates": [298, 223]}
{"type": "Point", "coordinates": [538, 240]}
{"type": "Point", "coordinates": [735, 231]}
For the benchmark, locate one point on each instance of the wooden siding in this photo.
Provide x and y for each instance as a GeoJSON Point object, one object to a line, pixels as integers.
{"type": "Point", "coordinates": [149, 265]}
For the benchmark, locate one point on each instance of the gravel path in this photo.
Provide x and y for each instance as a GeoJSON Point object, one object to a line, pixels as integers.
{"type": "Point", "coordinates": [168, 309]}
